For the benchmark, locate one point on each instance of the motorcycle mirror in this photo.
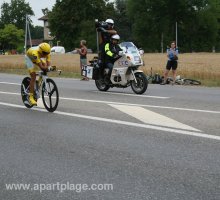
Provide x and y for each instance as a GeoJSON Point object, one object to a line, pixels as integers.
{"type": "Point", "coordinates": [141, 51]}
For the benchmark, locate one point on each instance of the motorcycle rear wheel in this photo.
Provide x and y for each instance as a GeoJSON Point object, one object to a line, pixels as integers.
{"type": "Point", "coordinates": [101, 85]}
{"type": "Point", "coordinates": [142, 83]}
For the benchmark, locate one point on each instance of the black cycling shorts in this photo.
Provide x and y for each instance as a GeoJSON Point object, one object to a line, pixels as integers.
{"type": "Point", "coordinates": [171, 64]}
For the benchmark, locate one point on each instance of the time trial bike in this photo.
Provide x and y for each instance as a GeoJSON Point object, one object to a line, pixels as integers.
{"type": "Point", "coordinates": [44, 85]}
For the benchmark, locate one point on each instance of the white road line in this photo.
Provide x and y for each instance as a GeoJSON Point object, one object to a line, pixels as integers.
{"type": "Point", "coordinates": [129, 104]}
{"type": "Point", "coordinates": [8, 83]}
{"type": "Point", "coordinates": [134, 95]}
{"type": "Point", "coordinates": [152, 118]}
{"type": "Point", "coordinates": [12, 93]}
{"type": "Point", "coordinates": [182, 132]}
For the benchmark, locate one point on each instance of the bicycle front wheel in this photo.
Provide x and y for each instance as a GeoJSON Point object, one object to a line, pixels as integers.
{"type": "Point", "coordinates": [50, 95]}
{"type": "Point", "coordinates": [191, 82]}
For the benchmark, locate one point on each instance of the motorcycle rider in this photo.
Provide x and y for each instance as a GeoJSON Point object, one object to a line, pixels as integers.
{"type": "Point", "coordinates": [112, 52]}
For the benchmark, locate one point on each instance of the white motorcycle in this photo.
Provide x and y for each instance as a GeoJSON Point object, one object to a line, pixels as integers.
{"type": "Point", "coordinates": [125, 71]}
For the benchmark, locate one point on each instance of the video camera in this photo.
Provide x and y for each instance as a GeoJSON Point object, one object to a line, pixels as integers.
{"type": "Point", "coordinates": [101, 24]}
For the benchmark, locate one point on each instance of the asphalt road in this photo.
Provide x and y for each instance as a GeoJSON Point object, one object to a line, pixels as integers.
{"type": "Point", "coordinates": [164, 144]}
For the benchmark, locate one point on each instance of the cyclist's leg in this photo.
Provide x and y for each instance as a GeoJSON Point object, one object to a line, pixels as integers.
{"type": "Point", "coordinates": [32, 72]}
{"type": "Point", "coordinates": [32, 68]}
{"type": "Point", "coordinates": [32, 82]}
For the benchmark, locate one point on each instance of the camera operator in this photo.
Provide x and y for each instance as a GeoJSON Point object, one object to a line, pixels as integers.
{"type": "Point", "coordinates": [105, 31]}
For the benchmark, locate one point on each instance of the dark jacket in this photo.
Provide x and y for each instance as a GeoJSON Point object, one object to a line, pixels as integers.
{"type": "Point", "coordinates": [111, 52]}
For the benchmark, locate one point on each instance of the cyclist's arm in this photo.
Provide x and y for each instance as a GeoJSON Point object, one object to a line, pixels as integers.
{"type": "Point", "coordinates": [48, 63]}
{"type": "Point", "coordinates": [43, 66]}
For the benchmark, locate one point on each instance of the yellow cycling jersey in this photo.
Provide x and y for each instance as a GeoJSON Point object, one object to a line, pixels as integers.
{"type": "Point", "coordinates": [35, 55]}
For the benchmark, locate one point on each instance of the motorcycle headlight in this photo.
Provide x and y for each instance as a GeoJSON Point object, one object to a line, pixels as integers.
{"type": "Point", "coordinates": [137, 59]}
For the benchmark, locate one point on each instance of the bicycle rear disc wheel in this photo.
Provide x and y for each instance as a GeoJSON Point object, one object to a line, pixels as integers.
{"type": "Point", "coordinates": [25, 90]}
{"type": "Point", "coordinates": [191, 82]}
{"type": "Point", "coordinates": [50, 95]}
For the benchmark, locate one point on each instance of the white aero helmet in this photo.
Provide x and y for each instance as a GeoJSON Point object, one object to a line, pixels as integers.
{"type": "Point", "coordinates": [115, 37]}
{"type": "Point", "coordinates": [109, 21]}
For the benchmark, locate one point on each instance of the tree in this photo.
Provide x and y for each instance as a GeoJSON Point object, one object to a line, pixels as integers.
{"type": "Point", "coordinates": [77, 22]}
{"type": "Point", "coordinates": [143, 26]}
{"type": "Point", "coordinates": [197, 23]}
{"type": "Point", "coordinates": [37, 32]}
{"type": "Point", "coordinates": [15, 13]}
{"type": "Point", "coordinates": [11, 37]}
{"type": "Point", "coordinates": [122, 22]}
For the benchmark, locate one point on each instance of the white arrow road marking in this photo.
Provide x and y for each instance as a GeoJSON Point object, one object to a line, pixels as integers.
{"type": "Point", "coordinates": [183, 132]}
{"type": "Point", "coordinates": [152, 118]}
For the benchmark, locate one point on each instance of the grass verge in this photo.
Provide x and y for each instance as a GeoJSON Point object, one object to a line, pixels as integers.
{"type": "Point", "coordinates": [204, 67]}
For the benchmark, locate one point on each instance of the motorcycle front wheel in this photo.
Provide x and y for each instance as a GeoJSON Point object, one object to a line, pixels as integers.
{"type": "Point", "coordinates": [102, 85]}
{"type": "Point", "coordinates": [141, 85]}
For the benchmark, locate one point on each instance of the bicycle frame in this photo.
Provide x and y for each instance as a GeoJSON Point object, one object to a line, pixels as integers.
{"type": "Point", "coordinates": [42, 79]}
{"type": "Point", "coordinates": [25, 90]}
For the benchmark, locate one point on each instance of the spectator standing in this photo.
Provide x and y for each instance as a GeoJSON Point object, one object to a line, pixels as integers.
{"type": "Point", "coordinates": [172, 63]}
{"type": "Point", "coordinates": [83, 57]}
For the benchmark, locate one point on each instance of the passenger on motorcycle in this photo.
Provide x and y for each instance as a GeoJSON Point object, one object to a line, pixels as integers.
{"type": "Point", "coordinates": [112, 52]}
{"type": "Point", "coordinates": [105, 31]}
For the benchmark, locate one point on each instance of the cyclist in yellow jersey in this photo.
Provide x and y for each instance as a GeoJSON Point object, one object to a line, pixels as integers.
{"type": "Point", "coordinates": [37, 58]}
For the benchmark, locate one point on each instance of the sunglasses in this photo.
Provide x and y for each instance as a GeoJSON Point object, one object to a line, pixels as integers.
{"type": "Point", "coordinates": [110, 24]}
{"type": "Point", "coordinates": [45, 53]}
